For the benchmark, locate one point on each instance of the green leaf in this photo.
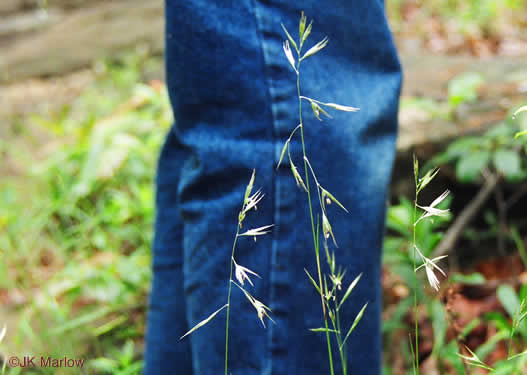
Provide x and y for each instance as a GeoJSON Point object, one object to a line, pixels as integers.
{"type": "Point", "coordinates": [500, 321]}
{"type": "Point", "coordinates": [355, 322]}
{"type": "Point", "coordinates": [469, 328]}
{"type": "Point", "coordinates": [349, 290]}
{"type": "Point", "coordinates": [463, 88]}
{"type": "Point", "coordinates": [470, 166]}
{"type": "Point", "coordinates": [399, 218]}
{"type": "Point", "coordinates": [489, 346]}
{"type": "Point", "coordinates": [462, 146]}
{"type": "Point", "coordinates": [511, 303]}
{"type": "Point", "coordinates": [508, 298]}
{"type": "Point", "coordinates": [475, 278]}
{"type": "Point", "coordinates": [439, 324]}
{"type": "Point", "coordinates": [507, 162]}
{"type": "Point", "coordinates": [203, 322]}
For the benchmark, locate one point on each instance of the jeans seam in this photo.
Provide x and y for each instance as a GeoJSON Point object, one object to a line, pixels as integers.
{"type": "Point", "coordinates": [268, 366]}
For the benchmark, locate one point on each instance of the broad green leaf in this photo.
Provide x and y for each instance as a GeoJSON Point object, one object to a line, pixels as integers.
{"type": "Point", "coordinates": [463, 88]}
{"type": "Point", "coordinates": [470, 166]}
{"type": "Point", "coordinates": [511, 303]}
{"type": "Point", "coordinates": [508, 298]}
{"type": "Point", "coordinates": [400, 219]}
{"type": "Point", "coordinates": [462, 146]}
{"type": "Point", "coordinates": [507, 162]}
{"type": "Point", "coordinates": [439, 324]}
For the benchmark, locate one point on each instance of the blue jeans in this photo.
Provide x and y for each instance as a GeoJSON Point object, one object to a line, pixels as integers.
{"type": "Point", "coordinates": [235, 103]}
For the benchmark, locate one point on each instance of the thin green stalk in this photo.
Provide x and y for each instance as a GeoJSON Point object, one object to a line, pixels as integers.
{"type": "Point", "coordinates": [229, 299]}
{"type": "Point", "coordinates": [509, 351]}
{"type": "Point", "coordinates": [416, 329]}
{"type": "Point", "coordinates": [339, 340]}
{"type": "Point", "coordinates": [315, 242]}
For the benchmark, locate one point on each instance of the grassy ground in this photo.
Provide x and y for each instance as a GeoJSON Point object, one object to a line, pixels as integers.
{"type": "Point", "coordinates": [76, 223]}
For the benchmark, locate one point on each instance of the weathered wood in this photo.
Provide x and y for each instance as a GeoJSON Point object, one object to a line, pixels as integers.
{"type": "Point", "coordinates": [428, 76]}
{"type": "Point", "coordinates": [78, 37]}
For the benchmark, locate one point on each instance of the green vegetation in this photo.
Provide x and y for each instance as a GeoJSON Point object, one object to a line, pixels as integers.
{"type": "Point", "coordinates": [471, 18]}
{"type": "Point", "coordinates": [77, 222]}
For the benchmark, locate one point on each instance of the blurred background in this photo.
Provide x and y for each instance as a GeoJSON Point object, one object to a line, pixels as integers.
{"type": "Point", "coordinates": [84, 111]}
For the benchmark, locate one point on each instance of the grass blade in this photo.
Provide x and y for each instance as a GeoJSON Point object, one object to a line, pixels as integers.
{"type": "Point", "coordinates": [355, 322]}
{"type": "Point", "coordinates": [203, 322]}
{"type": "Point", "coordinates": [313, 281]}
{"type": "Point", "coordinates": [349, 290]}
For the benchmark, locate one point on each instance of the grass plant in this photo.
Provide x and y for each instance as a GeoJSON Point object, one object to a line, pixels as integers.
{"type": "Point", "coordinates": [241, 273]}
{"type": "Point", "coordinates": [330, 303]}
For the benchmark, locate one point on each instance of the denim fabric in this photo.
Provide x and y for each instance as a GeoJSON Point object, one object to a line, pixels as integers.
{"type": "Point", "coordinates": [234, 99]}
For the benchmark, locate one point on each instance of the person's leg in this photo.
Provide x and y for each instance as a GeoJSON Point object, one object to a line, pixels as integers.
{"type": "Point", "coordinates": [164, 353]}
{"type": "Point", "coordinates": [234, 99]}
